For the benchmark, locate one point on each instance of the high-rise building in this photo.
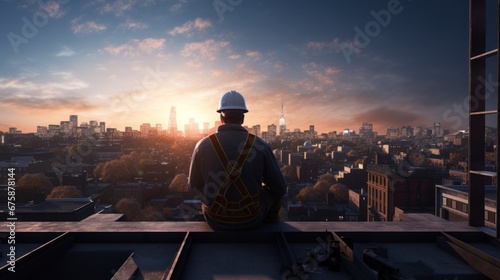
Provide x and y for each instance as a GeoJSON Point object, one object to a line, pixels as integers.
{"type": "Point", "coordinates": [437, 130]}
{"type": "Point", "coordinates": [145, 127]}
{"type": "Point", "coordinates": [93, 127]}
{"type": "Point", "coordinates": [102, 127]}
{"type": "Point", "coordinates": [206, 127]}
{"type": "Point", "coordinates": [192, 130]}
{"type": "Point", "coordinates": [172, 121]}
{"type": "Point", "coordinates": [406, 131]}
{"type": "Point", "coordinates": [64, 127]}
{"type": "Point", "coordinates": [54, 129]}
{"type": "Point", "coordinates": [282, 120]}
{"type": "Point", "coordinates": [41, 131]}
{"type": "Point", "coordinates": [366, 130]}
{"type": "Point", "coordinates": [271, 130]}
{"type": "Point", "coordinates": [73, 123]}
{"type": "Point", "coordinates": [159, 128]}
{"type": "Point", "coordinates": [255, 130]}
{"type": "Point", "coordinates": [392, 133]}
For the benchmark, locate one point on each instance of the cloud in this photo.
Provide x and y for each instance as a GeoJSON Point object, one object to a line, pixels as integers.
{"type": "Point", "coordinates": [53, 9]}
{"type": "Point", "coordinates": [136, 46]}
{"type": "Point", "coordinates": [65, 52]}
{"type": "Point", "coordinates": [385, 116]}
{"type": "Point", "coordinates": [59, 93]}
{"type": "Point", "coordinates": [186, 29]}
{"type": "Point", "coordinates": [254, 54]}
{"type": "Point", "coordinates": [335, 45]}
{"type": "Point", "coordinates": [206, 50]}
{"type": "Point", "coordinates": [177, 6]}
{"type": "Point", "coordinates": [134, 25]}
{"type": "Point", "coordinates": [63, 81]}
{"type": "Point", "coordinates": [119, 7]}
{"type": "Point", "coordinates": [278, 66]}
{"type": "Point", "coordinates": [316, 79]}
{"type": "Point", "coordinates": [234, 56]}
{"type": "Point", "coordinates": [86, 27]}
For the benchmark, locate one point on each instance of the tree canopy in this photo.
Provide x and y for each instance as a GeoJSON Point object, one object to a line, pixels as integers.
{"type": "Point", "coordinates": [130, 208]}
{"type": "Point", "coordinates": [179, 184]}
{"type": "Point", "coordinates": [31, 185]}
{"type": "Point", "coordinates": [65, 192]}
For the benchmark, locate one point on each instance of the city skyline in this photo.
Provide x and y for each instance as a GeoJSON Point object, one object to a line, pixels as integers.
{"type": "Point", "coordinates": [334, 65]}
{"type": "Point", "coordinates": [204, 127]}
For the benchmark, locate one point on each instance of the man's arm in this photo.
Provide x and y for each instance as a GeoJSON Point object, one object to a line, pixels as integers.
{"type": "Point", "coordinates": [195, 179]}
{"type": "Point", "coordinates": [273, 177]}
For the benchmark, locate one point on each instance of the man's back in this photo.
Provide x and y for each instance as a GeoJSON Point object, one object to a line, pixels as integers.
{"type": "Point", "coordinates": [208, 173]}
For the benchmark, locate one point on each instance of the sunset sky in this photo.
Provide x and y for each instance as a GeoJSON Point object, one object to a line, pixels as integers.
{"type": "Point", "coordinates": [335, 64]}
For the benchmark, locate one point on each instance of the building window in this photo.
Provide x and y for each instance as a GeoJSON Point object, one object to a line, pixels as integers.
{"type": "Point", "coordinates": [490, 216]}
{"type": "Point", "coordinates": [465, 208]}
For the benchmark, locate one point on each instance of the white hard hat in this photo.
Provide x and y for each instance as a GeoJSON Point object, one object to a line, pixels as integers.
{"type": "Point", "coordinates": [232, 100]}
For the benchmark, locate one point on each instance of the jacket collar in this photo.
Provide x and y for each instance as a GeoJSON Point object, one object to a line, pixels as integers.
{"type": "Point", "coordinates": [230, 126]}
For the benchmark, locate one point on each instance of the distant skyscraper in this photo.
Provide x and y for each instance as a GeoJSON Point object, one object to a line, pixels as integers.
{"type": "Point", "coordinates": [73, 123]}
{"type": "Point", "coordinates": [41, 131]}
{"type": "Point", "coordinates": [282, 120]}
{"type": "Point", "coordinates": [102, 127]}
{"type": "Point", "coordinates": [73, 119]}
{"type": "Point", "coordinates": [145, 127]}
{"type": "Point", "coordinates": [366, 130]}
{"type": "Point", "coordinates": [206, 127]}
{"type": "Point", "coordinates": [271, 130]}
{"type": "Point", "coordinates": [172, 121]}
{"type": "Point", "coordinates": [407, 131]}
{"type": "Point", "coordinates": [437, 129]}
{"type": "Point", "coordinates": [93, 127]}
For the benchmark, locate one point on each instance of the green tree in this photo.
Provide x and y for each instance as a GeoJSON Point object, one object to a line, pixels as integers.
{"type": "Point", "coordinates": [179, 184]}
{"type": "Point", "coordinates": [98, 170]}
{"type": "Point", "coordinates": [289, 173]}
{"type": "Point", "coordinates": [329, 178]}
{"type": "Point", "coordinates": [150, 213]}
{"type": "Point", "coordinates": [31, 185]}
{"type": "Point", "coordinates": [341, 192]}
{"type": "Point", "coordinates": [322, 187]}
{"type": "Point", "coordinates": [168, 212]}
{"type": "Point", "coordinates": [115, 171]}
{"type": "Point", "coordinates": [130, 208]}
{"type": "Point", "coordinates": [308, 193]}
{"type": "Point", "coordinates": [65, 192]}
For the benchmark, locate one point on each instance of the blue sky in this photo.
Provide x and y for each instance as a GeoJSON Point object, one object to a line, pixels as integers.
{"type": "Point", "coordinates": [335, 64]}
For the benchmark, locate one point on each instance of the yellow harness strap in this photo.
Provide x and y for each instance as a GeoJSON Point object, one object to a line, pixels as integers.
{"type": "Point", "coordinates": [221, 209]}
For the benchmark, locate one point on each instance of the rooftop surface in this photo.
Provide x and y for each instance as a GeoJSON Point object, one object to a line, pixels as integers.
{"type": "Point", "coordinates": [101, 247]}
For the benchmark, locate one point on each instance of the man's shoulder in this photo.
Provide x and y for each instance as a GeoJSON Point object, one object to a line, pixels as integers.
{"type": "Point", "coordinates": [202, 142]}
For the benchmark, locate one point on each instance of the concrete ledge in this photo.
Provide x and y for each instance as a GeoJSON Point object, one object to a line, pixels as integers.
{"type": "Point", "coordinates": [108, 223]}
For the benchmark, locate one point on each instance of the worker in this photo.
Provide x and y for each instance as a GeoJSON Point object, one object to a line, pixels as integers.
{"type": "Point", "coordinates": [235, 173]}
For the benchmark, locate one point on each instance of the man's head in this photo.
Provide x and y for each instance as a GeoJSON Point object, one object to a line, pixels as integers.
{"type": "Point", "coordinates": [232, 107]}
{"type": "Point", "coordinates": [232, 116]}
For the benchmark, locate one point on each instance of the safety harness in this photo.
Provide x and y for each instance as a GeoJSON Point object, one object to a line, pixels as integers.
{"type": "Point", "coordinates": [226, 211]}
